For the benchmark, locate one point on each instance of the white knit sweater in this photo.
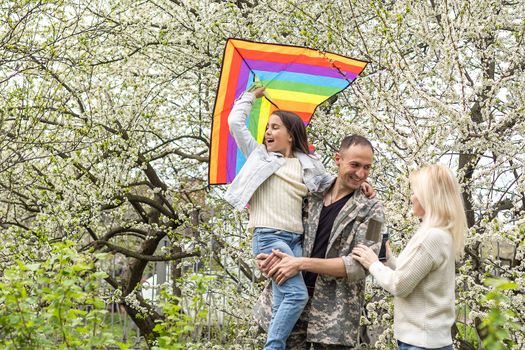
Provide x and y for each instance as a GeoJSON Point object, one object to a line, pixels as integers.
{"type": "Point", "coordinates": [423, 286]}
{"type": "Point", "coordinates": [278, 202]}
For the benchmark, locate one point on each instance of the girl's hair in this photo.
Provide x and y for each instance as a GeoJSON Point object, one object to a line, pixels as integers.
{"type": "Point", "coordinates": [438, 191]}
{"type": "Point", "coordinates": [295, 126]}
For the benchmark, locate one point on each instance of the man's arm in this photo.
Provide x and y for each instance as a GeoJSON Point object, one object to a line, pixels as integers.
{"type": "Point", "coordinates": [290, 266]}
{"type": "Point", "coordinates": [368, 233]}
{"type": "Point", "coordinates": [340, 267]}
{"type": "Point", "coordinates": [334, 267]}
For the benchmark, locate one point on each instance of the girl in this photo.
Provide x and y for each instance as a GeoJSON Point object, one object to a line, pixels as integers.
{"type": "Point", "coordinates": [276, 177]}
{"type": "Point", "coordinates": [422, 277]}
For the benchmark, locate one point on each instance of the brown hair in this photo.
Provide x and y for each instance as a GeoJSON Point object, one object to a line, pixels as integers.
{"type": "Point", "coordinates": [295, 126]}
{"type": "Point", "coordinates": [355, 140]}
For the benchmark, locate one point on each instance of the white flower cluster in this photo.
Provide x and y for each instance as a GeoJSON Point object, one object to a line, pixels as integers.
{"type": "Point", "coordinates": [131, 301]}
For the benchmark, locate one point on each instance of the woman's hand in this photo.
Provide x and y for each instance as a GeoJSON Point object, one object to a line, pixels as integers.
{"type": "Point", "coordinates": [368, 190]}
{"type": "Point", "coordinates": [364, 255]}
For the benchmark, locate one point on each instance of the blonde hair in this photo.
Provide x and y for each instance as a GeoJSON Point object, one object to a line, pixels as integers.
{"type": "Point", "coordinates": [438, 192]}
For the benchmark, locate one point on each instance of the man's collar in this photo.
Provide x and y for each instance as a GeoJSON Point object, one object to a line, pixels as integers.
{"type": "Point", "coordinates": [358, 193]}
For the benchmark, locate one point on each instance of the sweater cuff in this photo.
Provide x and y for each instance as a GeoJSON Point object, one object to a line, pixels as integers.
{"type": "Point", "coordinates": [375, 267]}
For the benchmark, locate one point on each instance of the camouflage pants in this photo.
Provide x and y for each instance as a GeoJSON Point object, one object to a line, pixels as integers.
{"type": "Point", "coordinates": [297, 339]}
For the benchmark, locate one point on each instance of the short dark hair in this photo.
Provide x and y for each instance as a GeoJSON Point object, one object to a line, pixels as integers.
{"type": "Point", "coordinates": [295, 126]}
{"type": "Point", "coordinates": [355, 140]}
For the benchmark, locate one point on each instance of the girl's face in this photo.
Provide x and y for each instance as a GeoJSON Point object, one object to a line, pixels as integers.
{"type": "Point", "coordinates": [417, 209]}
{"type": "Point", "coordinates": [277, 138]}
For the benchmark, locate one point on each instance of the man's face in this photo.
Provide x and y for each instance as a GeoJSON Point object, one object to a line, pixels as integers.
{"type": "Point", "coordinates": [354, 165]}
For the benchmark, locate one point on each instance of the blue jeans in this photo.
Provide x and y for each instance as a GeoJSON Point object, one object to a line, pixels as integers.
{"type": "Point", "coordinates": [405, 346]}
{"type": "Point", "coordinates": [289, 298]}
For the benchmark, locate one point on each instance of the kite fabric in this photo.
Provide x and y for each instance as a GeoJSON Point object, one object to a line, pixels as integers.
{"type": "Point", "coordinates": [295, 79]}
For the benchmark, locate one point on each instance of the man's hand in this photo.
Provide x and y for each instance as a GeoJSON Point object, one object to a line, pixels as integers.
{"type": "Point", "coordinates": [368, 190]}
{"type": "Point", "coordinates": [364, 255]}
{"type": "Point", "coordinates": [265, 262]}
{"type": "Point", "coordinates": [285, 269]}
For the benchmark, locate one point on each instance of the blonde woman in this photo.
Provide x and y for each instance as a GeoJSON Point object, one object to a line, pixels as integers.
{"type": "Point", "coordinates": [422, 277]}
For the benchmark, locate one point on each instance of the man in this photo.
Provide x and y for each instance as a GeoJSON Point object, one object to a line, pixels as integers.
{"type": "Point", "coordinates": [337, 220]}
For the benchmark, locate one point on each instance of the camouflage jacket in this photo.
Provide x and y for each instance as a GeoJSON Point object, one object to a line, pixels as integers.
{"type": "Point", "coordinates": [334, 313]}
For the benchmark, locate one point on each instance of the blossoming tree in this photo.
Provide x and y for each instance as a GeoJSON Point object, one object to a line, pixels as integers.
{"type": "Point", "coordinates": [105, 119]}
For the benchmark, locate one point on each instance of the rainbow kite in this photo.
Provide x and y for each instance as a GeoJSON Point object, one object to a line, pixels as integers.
{"type": "Point", "coordinates": [295, 78]}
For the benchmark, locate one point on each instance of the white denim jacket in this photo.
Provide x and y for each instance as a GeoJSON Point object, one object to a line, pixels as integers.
{"type": "Point", "coordinates": [261, 164]}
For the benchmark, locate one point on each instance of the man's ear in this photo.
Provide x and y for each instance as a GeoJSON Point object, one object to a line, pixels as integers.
{"type": "Point", "coordinates": [337, 158]}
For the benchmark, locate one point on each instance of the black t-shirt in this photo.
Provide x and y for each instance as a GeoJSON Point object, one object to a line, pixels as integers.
{"type": "Point", "coordinates": [322, 236]}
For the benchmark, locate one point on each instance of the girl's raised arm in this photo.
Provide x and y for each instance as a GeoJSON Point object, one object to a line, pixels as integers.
{"type": "Point", "coordinates": [237, 121]}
